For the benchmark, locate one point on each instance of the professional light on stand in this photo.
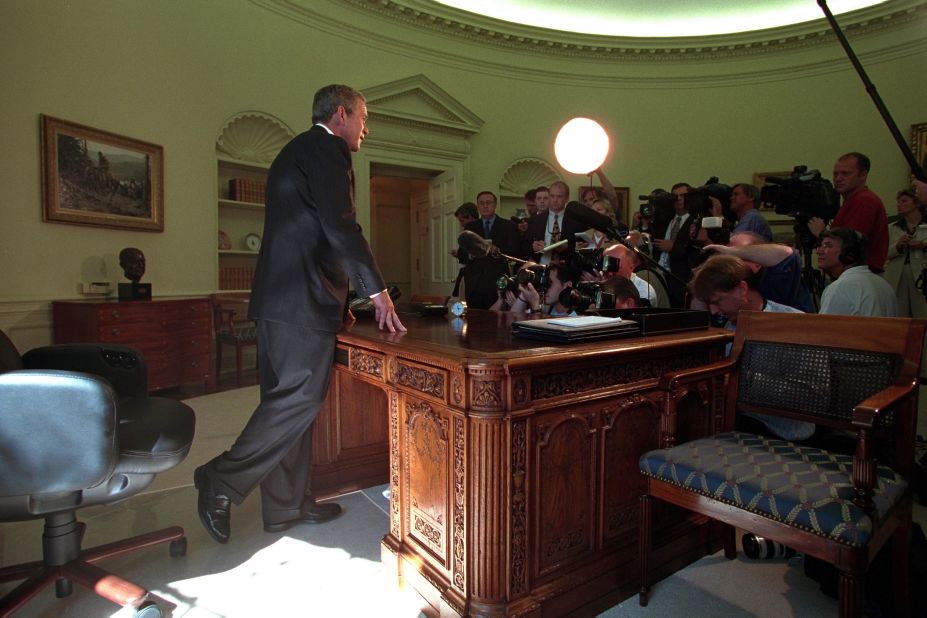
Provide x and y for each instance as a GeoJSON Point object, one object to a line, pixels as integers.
{"type": "Point", "coordinates": [581, 146]}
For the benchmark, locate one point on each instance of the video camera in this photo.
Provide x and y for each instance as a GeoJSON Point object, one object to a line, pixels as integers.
{"type": "Point", "coordinates": [802, 195]}
{"type": "Point", "coordinates": [698, 200]}
{"type": "Point", "coordinates": [657, 210]}
{"type": "Point", "coordinates": [592, 259]}
{"type": "Point", "coordinates": [585, 293]}
{"type": "Point", "coordinates": [537, 275]}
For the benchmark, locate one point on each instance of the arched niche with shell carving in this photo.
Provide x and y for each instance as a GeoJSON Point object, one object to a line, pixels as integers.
{"type": "Point", "coordinates": [255, 137]}
{"type": "Point", "coordinates": [247, 144]}
{"type": "Point", "coordinates": [526, 173]}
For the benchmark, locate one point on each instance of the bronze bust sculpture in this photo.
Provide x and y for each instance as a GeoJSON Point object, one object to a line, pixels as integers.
{"type": "Point", "coordinates": [132, 261]}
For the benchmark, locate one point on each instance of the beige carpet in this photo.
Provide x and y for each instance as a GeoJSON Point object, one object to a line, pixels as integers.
{"type": "Point", "coordinates": [220, 417]}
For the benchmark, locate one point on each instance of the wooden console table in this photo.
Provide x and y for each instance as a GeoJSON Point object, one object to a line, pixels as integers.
{"type": "Point", "coordinates": [174, 334]}
{"type": "Point", "coordinates": [512, 464]}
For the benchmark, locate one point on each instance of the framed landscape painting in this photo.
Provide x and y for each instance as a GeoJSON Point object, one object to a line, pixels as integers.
{"type": "Point", "coordinates": [93, 177]}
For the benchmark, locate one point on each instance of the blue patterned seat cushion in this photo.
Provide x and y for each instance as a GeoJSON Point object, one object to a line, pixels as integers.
{"type": "Point", "coordinates": [805, 487]}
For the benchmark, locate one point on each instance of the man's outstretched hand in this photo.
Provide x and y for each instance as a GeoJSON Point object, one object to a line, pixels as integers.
{"type": "Point", "coordinates": [385, 313]}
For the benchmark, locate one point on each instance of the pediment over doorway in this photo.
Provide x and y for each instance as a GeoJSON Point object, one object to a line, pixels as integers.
{"type": "Point", "coordinates": [419, 102]}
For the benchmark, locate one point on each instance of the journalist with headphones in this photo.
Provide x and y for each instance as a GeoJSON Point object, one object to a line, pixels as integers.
{"type": "Point", "coordinates": [854, 289]}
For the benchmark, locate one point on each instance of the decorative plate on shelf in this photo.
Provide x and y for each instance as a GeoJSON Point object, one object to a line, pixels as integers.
{"type": "Point", "coordinates": [253, 242]}
{"type": "Point", "coordinates": [225, 243]}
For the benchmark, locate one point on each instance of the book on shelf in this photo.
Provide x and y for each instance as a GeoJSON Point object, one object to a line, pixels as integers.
{"type": "Point", "coordinates": [235, 277]}
{"type": "Point", "coordinates": [245, 190]}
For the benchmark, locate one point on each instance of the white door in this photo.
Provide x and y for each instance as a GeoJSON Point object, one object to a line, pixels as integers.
{"type": "Point", "coordinates": [421, 261]}
{"type": "Point", "coordinates": [445, 197]}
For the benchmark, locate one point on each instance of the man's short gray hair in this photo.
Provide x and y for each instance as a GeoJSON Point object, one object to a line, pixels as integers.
{"type": "Point", "coordinates": [328, 98]}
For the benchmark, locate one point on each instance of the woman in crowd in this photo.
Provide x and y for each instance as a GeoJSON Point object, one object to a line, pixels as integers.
{"type": "Point", "coordinates": [906, 244]}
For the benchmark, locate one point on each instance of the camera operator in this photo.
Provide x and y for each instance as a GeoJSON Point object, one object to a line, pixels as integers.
{"type": "Point", "coordinates": [628, 262]}
{"type": "Point", "coordinates": [779, 279]}
{"type": "Point", "coordinates": [862, 210]}
{"type": "Point", "coordinates": [743, 206]}
{"type": "Point", "coordinates": [727, 285]}
{"type": "Point", "coordinates": [855, 289]}
{"type": "Point", "coordinates": [560, 276]}
{"type": "Point", "coordinates": [465, 213]}
{"type": "Point", "coordinates": [623, 291]}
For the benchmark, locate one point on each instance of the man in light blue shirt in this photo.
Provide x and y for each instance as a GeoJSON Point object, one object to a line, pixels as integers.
{"type": "Point", "coordinates": [727, 285]}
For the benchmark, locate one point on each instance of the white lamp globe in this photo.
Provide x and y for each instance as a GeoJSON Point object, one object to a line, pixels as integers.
{"type": "Point", "coordinates": [581, 146]}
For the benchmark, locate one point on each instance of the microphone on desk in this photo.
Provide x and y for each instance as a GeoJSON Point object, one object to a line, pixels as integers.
{"type": "Point", "coordinates": [597, 221]}
{"type": "Point", "coordinates": [478, 247]}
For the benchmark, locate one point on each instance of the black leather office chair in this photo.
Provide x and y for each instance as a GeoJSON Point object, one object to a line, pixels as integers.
{"type": "Point", "coordinates": [77, 429]}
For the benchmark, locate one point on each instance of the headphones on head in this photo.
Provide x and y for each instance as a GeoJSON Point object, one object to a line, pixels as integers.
{"type": "Point", "coordinates": [853, 249]}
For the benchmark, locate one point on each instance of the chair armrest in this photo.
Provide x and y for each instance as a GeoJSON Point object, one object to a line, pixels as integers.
{"type": "Point", "coordinates": [122, 366]}
{"type": "Point", "coordinates": [673, 380]}
{"type": "Point", "coordinates": [865, 412]}
{"type": "Point", "coordinates": [864, 417]}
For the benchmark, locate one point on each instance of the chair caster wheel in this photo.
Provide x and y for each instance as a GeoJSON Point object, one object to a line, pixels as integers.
{"type": "Point", "coordinates": [178, 547]}
{"type": "Point", "coordinates": [148, 609]}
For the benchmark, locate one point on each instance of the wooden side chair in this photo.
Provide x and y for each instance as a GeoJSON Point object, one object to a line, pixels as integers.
{"type": "Point", "coordinates": [232, 327]}
{"type": "Point", "coordinates": [854, 376]}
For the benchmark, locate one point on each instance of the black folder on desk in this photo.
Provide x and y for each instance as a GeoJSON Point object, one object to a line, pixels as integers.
{"type": "Point", "coordinates": [575, 329]}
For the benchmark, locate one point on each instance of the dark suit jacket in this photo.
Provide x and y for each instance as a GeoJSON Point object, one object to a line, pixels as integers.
{"type": "Point", "coordinates": [537, 228]}
{"type": "Point", "coordinates": [312, 243]}
{"type": "Point", "coordinates": [503, 234]}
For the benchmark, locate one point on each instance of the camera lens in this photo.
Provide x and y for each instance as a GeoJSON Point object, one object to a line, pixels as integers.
{"type": "Point", "coordinates": [759, 548]}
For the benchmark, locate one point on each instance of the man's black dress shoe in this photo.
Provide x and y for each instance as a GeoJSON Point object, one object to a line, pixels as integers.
{"type": "Point", "coordinates": [313, 513]}
{"type": "Point", "coordinates": [214, 509]}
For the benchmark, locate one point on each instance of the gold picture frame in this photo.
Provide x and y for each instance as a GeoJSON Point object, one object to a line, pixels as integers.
{"type": "Point", "coordinates": [919, 143]}
{"type": "Point", "coordinates": [94, 177]}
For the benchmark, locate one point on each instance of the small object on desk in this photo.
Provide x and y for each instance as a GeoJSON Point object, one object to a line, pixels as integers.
{"type": "Point", "coordinates": [253, 242]}
{"type": "Point", "coordinates": [572, 330]}
{"type": "Point", "coordinates": [458, 307]}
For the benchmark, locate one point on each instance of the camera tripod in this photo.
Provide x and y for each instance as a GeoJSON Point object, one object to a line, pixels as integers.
{"type": "Point", "coordinates": [811, 278]}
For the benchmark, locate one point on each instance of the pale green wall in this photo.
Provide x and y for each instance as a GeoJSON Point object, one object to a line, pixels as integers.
{"type": "Point", "coordinates": [172, 72]}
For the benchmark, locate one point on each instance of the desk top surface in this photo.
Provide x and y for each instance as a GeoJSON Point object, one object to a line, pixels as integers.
{"type": "Point", "coordinates": [487, 336]}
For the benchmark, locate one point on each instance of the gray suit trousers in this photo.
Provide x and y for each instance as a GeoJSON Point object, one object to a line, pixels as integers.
{"type": "Point", "coordinates": [275, 448]}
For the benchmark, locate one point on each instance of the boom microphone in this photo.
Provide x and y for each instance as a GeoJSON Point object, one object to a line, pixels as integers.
{"type": "Point", "coordinates": [597, 221]}
{"type": "Point", "coordinates": [475, 245]}
{"type": "Point", "coordinates": [478, 247]}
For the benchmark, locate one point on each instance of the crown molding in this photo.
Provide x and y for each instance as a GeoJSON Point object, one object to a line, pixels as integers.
{"type": "Point", "coordinates": [427, 33]}
{"type": "Point", "coordinates": [462, 25]}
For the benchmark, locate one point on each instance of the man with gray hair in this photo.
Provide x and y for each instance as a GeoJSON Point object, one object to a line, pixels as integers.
{"type": "Point", "coordinates": [313, 247]}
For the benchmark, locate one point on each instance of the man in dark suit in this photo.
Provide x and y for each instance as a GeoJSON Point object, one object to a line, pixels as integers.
{"type": "Point", "coordinates": [550, 226]}
{"type": "Point", "coordinates": [312, 247]}
{"type": "Point", "coordinates": [482, 272]}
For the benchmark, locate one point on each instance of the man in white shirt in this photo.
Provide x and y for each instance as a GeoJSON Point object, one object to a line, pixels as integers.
{"type": "Point", "coordinates": [627, 262]}
{"type": "Point", "coordinates": [546, 228]}
{"type": "Point", "coordinates": [855, 290]}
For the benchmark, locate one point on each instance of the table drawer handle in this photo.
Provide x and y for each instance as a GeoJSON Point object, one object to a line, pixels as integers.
{"type": "Point", "coordinates": [116, 332]}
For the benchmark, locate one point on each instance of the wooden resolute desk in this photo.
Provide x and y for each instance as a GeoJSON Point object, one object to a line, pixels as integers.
{"type": "Point", "coordinates": [512, 464]}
